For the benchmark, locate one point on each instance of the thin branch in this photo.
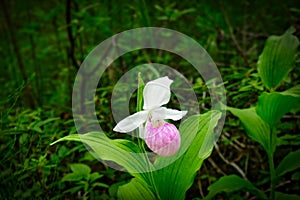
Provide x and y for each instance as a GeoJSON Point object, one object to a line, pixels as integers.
{"type": "Point", "coordinates": [233, 164]}
{"type": "Point", "coordinates": [246, 163]}
{"type": "Point", "coordinates": [200, 185]}
{"type": "Point", "coordinates": [214, 165]}
{"type": "Point", "coordinates": [291, 116]}
{"type": "Point", "coordinates": [231, 143]}
{"type": "Point", "coordinates": [236, 141]}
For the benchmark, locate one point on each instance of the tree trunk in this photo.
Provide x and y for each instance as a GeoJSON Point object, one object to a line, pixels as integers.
{"type": "Point", "coordinates": [28, 92]}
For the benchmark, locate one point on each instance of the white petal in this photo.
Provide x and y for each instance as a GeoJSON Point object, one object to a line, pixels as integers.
{"type": "Point", "coordinates": [157, 93]}
{"type": "Point", "coordinates": [131, 122]}
{"type": "Point", "coordinates": [166, 113]}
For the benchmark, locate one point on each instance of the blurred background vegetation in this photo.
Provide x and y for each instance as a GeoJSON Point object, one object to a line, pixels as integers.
{"type": "Point", "coordinates": [42, 46]}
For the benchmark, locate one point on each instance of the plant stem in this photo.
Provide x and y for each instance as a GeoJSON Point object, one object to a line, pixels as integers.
{"type": "Point", "coordinates": [272, 176]}
{"type": "Point", "coordinates": [271, 166]}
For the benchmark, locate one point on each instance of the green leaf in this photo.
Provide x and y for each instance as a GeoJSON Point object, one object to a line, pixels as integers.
{"type": "Point", "coordinates": [272, 106]}
{"type": "Point", "coordinates": [73, 177]}
{"type": "Point", "coordinates": [100, 185]}
{"type": "Point", "coordinates": [277, 58]}
{"type": "Point", "coordinates": [173, 181]}
{"type": "Point", "coordinates": [296, 176]}
{"type": "Point", "coordinates": [256, 128]}
{"type": "Point", "coordinates": [232, 183]}
{"type": "Point", "coordinates": [122, 152]}
{"type": "Point", "coordinates": [290, 162]}
{"type": "Point", "coordinates": [113, 189]}
{"type": "Point", "coordinates": [294, 91]}
{"type": "Point", "coordinates": [135, 190]}
{"type": "Point", "coordinates": [280, 196]}
{"type": "Point", "coordinates": [81, 169]}
{"type": "Point", "coordinates": [42, 123]}
{"type": "Point", "coordinates": [74, 189]}
{"type": "Point", "coordinates": [94, 176]}
{"type": "Point", "coordinates": [292, 140]}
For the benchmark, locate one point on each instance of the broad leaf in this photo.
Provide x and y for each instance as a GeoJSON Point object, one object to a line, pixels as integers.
{"type": "Point", "coordinates": [173, 181]}
{"type": "Point", "coordinates": [290, 162]}
{"type": "Point", "coordinates": [122, 152]}
{"type": "Point", "coordinates": [272, 106]}
{"type": "Point", "coordinates": [232, 183]}
{"type": "Point", "coordinates": [277, 58]}
{"type": "Point", "coordinates": [135, 190]}
{"type": "Point", "coordinates": [256, 127]}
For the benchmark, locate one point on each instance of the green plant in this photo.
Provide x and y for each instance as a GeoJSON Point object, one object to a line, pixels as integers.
{"type": "Point", "coordinates": [275, 62]}
{"type": "Point", "coordinates": [83, 178]}
{"type": "Point", "coordinates": [163, 174]}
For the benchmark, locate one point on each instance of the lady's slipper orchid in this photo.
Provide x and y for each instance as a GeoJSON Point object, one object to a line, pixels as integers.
{"type": "Point", "coordinates": [161, 137]}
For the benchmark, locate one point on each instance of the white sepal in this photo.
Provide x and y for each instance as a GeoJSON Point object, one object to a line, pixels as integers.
{"type": "Point", "coordinates": [131, 122]}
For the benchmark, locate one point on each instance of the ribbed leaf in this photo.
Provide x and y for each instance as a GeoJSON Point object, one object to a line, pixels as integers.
{"type": "Point", "coordinates": [294, 91]}
{"type": "Point", "coordinates": [135, 190]}
{"type": "Point", "coordinates": [233, 183]}
{"type": "Point", "coordinates": [277, 58]}
{"type": "Point", "coordinates": [256, 127]}
{"type": "Point", "coordinates": [290, 162]}
{"type": "Point", "coordinates": [173, 181]}
{"type": "Point", "coordinates": [118, 151]}
{"type": "Point", "coordinates": [272, 106]}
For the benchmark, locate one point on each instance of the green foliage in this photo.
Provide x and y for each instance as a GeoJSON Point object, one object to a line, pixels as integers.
{"type": "Point", "coordinates": [195, 131]}
{"type": "Point", "coordinates": [290, 162]}
{"type": "Point", "coordinates": [79, 171]}
{"type": "Point", "coordinates": [256, 127]}
{"type": "Point", "coordinates": [277, 58]}
{"type": "Point", "coordinates": [136, 189]}
{"type": "Point", "coordinates": [26, 141]}
{"type": "Point", "coordinates": [272, 106]}
{"type": "Point", "coordinates": [84, 179]}
{"type": "Point", "coordinates": [275, 62]}
{"type": "Point", "coordinates": [279, 195]}
{"type": "Point", "coordinates": [112, 150]}
{"type": "Point", "coordinates": [233, 183]}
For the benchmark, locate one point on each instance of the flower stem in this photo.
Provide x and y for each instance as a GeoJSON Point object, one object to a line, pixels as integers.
{"type": "Point", "coordinates": [139, 105]}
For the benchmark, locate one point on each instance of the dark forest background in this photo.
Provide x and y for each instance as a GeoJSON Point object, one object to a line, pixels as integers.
{"type": "Point", "coordinates": [43, 44]}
